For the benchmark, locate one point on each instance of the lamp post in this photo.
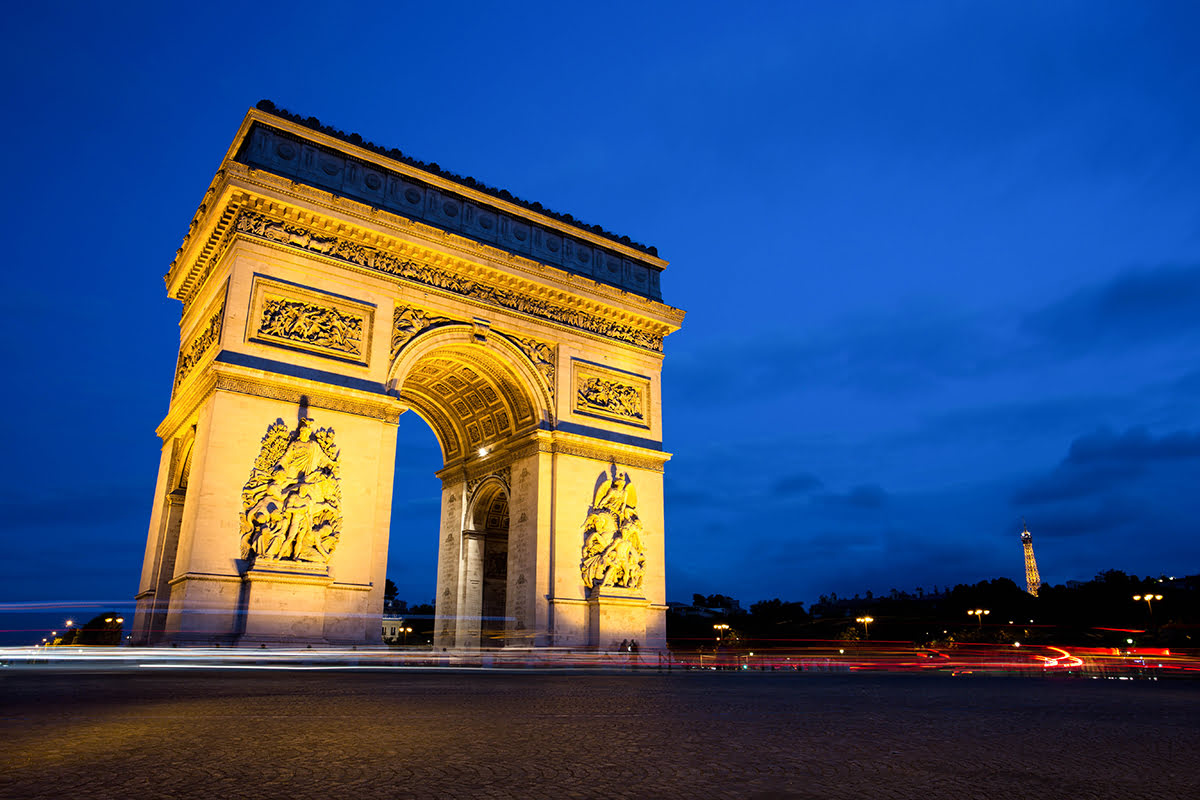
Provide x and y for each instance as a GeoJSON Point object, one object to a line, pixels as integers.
{"type": "Point", "coordinates": [720, 628]}
{"type": "Point", "coordinates": [1148, 598]}
{"type": "Point", "coordinates": [979, 614]}
{"type": "Point", "coordinates": [120, 630]}
{"type": "Point", "coordinates": [406, 632]}
{"type": "Point", "coordinates": [866, 623]}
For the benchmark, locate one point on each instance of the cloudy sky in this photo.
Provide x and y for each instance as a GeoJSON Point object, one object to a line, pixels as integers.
{"type": "Point", "coordinates": [941, 263]}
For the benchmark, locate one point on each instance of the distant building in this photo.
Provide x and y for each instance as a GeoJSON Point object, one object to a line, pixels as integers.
{"type": "Point", "coordinates": [393, 629]}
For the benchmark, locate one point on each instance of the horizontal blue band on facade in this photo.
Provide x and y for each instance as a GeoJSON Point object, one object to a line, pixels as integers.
{"type": "Point", "coordinates": [295, 371]}
{"type": "Point", "coordinates": [333, 170]}
{"type": "Point", "coordinates": [608, 436]}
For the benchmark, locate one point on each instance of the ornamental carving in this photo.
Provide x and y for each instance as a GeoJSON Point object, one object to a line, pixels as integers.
{"type": "Point", "coordinates": [504, 475]}
{"type": "Point", "coordinates": [543, 356]}
{"type": "Point", "coordinates": [613, 555]}
{"type": "Point", "coordinates": [312, 325]}
{"type": "Point", "coordinates": [407, 322]}
{"type": "Point", "coordinates": [263, 227]}
{"type": "Point", "coordinates": [291, 506]}
{"type": "Point", "coordinates": [200, 345]}
{"type": "Point", "coordinates": [610, 398]}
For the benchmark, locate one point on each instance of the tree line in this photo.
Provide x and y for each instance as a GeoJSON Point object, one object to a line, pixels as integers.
{"type": "Point", "coordinates": [1099, 612]}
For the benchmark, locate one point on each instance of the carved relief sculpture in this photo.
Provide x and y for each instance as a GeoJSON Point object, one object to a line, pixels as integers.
{"type": "Point", "coordinates": [201, 343]}
{"type": "Point", "coordinates": [291, 506]}
{"type": "Point", "coordinates": [407, 322]}
{"type": "Point", "coordinates": [542, 355]}
{"type": "Point", "coordinates": [612, 550]}
{"type": "Point", "coordinates": [258, 225]}
{"type": "Point", "coordinates": [312, 325]}
{"type": "Point", "coordinates": [610, 398]}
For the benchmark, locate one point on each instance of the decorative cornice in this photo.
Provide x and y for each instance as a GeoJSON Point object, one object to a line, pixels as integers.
{"type": "Point", "coordinates": [388, 411]}
{"type": "Point", "coordinates": [297, 235]}
{"type": "Point", "coordinates": [290, 390]}
{"type": "Point", "coordinates": [598, 450]}
{"type": "Point", "coordinates": [203, 255]}
{"type": "Point", "coordinates": [554, 442]}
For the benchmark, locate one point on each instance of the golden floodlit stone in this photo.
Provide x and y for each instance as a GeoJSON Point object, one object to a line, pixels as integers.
{"type": "Point", "coordinates": [329, 288]}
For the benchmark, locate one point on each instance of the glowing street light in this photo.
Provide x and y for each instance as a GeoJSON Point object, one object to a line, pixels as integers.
{"type": "Point", "coordinates": [979, 614]}
{"type": "Point", "coordinates": [1148, 598]}
{"type": "Point", "coordinates": [720, 628]}
{"type": "Point", "coordinates": [866, 623]}
{"type": "Point", "coordinates": [406, 632]}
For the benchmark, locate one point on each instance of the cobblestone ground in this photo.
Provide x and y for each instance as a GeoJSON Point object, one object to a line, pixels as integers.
{"type": "Point", "coordinates": [290, 734]}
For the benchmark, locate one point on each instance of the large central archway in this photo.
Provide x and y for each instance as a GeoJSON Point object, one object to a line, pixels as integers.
{"type": "Point", "coordinates": [482, 397]}
{"type": "Point", "coordinates": [328, 289]}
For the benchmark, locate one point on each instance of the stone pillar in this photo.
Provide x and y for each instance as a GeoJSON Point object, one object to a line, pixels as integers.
{"type": "Point", "coordinates": [470, 604]}
{"type": "Point", "coordinates": [445, 631]}
{"type": "Point", "coordinates": [155, 619]}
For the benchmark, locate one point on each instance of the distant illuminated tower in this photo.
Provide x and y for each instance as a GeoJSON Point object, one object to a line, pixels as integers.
{"type": "Point", "coordinates": [1032, 581]}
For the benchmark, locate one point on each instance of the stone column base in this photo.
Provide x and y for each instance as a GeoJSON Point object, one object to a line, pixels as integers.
{"type": "Point", "coordinates": [616, 615]}
{"type": "Point", "coordinates": [284, 603]}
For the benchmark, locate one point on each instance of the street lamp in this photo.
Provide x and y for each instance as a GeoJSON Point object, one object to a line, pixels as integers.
{"type": "Point", "coordinates": [406, 632]}
{"type": "Point", "coordinates": [979, 613]}
{"type": "Point", "coordinates": [866, 623]}
{"type": "Point", "coordinates": [1148, 598]}
{"type": "Point", "coordinates": [720, 628]}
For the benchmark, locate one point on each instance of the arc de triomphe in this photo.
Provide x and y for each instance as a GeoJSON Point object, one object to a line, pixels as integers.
{"type": "Point", "coordinates": [328, 287]}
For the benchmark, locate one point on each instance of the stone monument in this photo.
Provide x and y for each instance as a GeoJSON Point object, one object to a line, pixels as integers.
{"type": "Point", "coordinates": [329, 286]}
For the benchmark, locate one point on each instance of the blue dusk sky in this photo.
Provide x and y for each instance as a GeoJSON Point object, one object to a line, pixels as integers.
{"type": "Point", "coordinates": [940, 262]}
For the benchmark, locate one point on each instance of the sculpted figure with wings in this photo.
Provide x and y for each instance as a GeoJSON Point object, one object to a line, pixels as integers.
{"type": "Point", "coordinates": [612, 548]}
{"type": "Point", "coordinates": [291, 506]}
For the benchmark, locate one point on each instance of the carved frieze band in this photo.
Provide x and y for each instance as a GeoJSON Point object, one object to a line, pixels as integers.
{"type": "Point", "coordinates": [292, 234]}
{"type": "Point", "coordinates": [611, 394]}
{"type": "Point", "coordinates": [202, 343]}
{"type": "Point", "coordinates": [308, 320]}
{"type": "Point", "coordinates": [408, 321]}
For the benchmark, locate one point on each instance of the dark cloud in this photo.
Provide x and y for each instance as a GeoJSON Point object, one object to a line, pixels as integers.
{"type": "Point", "coordinates": [1112, 514]}
{"type": "Point", "coordinates": [1134, 446]}
{"type": "Point", "coordinates": [1132, 308]}
{"type": "Point", "coordinates": [867, 496]}
{"type": "Point", "coordinates": [1102, 462]}
{"type": "Point", "coordinates": [798, 484]}
{"type": "Point", "coordinates": [1071, 483]}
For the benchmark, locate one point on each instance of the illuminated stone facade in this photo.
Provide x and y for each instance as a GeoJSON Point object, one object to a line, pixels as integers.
{"type": "Point", "coordinates": [328, 289]}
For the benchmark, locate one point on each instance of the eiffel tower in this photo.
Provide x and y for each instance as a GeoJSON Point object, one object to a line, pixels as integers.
{"type": "Point", "coordinates": [1032, 581]}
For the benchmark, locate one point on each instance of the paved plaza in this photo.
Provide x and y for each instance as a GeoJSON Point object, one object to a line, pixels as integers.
{"type": "Point", "coordinates": [409, 734]}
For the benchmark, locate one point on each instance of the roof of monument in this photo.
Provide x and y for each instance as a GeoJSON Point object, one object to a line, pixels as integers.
{"type": "Point", "coordinates": [313, 123]}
